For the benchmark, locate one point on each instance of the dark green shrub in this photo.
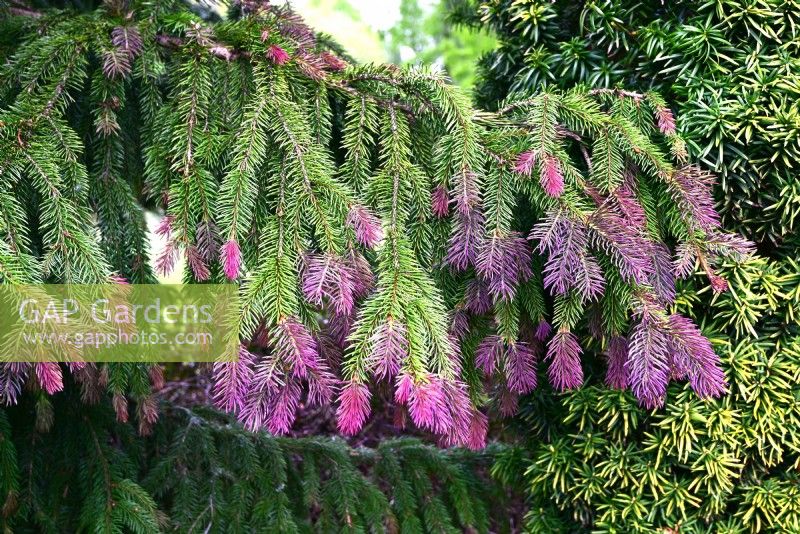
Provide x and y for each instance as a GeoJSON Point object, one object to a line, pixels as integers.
{"type": "Point", "coordinates": [730, 69]}
{"type": "Point", "coordinates": [79, 469]}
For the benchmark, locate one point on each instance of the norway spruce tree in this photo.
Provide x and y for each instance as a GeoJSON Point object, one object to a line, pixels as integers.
{"type": "Point", "coordinates": [730, 71]}
{"type": "Point", "coordinates": [391, 243]}
{"type": "Point", "coordinates": [375, 195]}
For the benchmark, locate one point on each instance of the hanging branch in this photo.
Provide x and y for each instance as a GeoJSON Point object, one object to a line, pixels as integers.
{"type": "Point", "coordinates": [436, 257]}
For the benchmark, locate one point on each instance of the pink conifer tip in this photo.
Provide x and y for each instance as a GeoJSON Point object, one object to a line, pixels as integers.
{"type": "Point", "coordinates": [197, 264]}
{"type": "Point", "coordinates": [277, 55]}
{"type": "Point", "coordinates": [648, 360]}
{"type": "Point", "coordinates": [466, 192]}
{"type": "Point", "coordinates": [467, 229]}
{"type": "Point", "coordinates": [361, 272]}
{"type": "Point", "coordinates": [326, 276]}
{"type": "Point", "coordinates": [525, 162]}
{"type": "Point", "coordinates": [718, 283]}
{"type": "Point", "coordinates": [231, 258]}
{"type": "Point", "coordinates": [666, 120]}
{"type": "Point", "coordinates": [477, 299]}
{"type": "Point", "coordinates": [440, 202]}
{"type": "Point", "coordinates": [353, 408]}
{"type": "Point", "coordinates": [488, 353]}
{"type": "Point", "coordinates": [294, 345]}
{"type": "Point", "coordinates": [75, 367]}
{"type": "Point", "coordinates": [459, 325]}
{"type": "Point", "coordinates": [232, 380]}
{"type": "Point", "coordinates": [507, 402]}
{"type": "Point", "coordinates": [543, 330]}
{"type": "Point", "coordinates": [504, 261]}
{"type": "Point", "coordinates": [164, 228]}
{"type": "Point", "coordinates": [564, 355]}
{"type": "Point", "coordinates": [120, 404]}
{"type": "Point", "coordinates": [49, 376]}
{"type": "Point", "coordinates": [478, 428]}
{"type": "Point", "coordinates": [456, 418]}
{"type": "Point", "coordinates": [333, 62]}
{"type": "Point", "coordinates": [165, 262]}
{"type": "Point", "coordinates": [156, 374]}
{"type": "Point", "coordinates": [520, 367]}
{"type": "Point", "coordinates": [692, 355]}
{"type": "Point", "coordinates": [569, 264]}
{"type": "Point", "coordinates": [465, 240]}
{"type": "Point", "coordinates": [147, 414]}
{"type": "Point", "coordinates": [389, 348]}
{"type": "Point", "coordinates": [366, 226]}
{"type": "Point", "coordinates": [453, 351]}
{"type": "Point", "coordinates": [402, 392]}
{"type": "Point", "coordinates": [694, 189]}
{"type": "Point", "coordinates": [551, 178]}
{"type": "Point", "coordinates": [617, 355]}
{"type": "Point", "coordinates": [428, 407]}
{"type": "Point", "coordinates": [118, 279]}
{"type": "Point", "coordinates": [128, 39]}
{"type": "Point", "coordinates": [628, 205]}
{"type": "Point", "coordinates": [283, 409]}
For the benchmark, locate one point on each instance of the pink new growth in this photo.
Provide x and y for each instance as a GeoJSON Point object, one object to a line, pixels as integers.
{"type": "Point", "coordinates": [231, 258]}
{"type": "Point", "coordinates": [525, 162]}
{"type": "Point", "coordinates": [666, 121]}
{"type": "Point", "coordinates": [277, 55]}
{"type": "Point", "coordinates": [440, 202]}
{"type": "Point", "coordinates": [353, 408]}
{"type": "Point", "coordinates": [551, 178]}
{"type": "Point", "coordinates": [366, 226]}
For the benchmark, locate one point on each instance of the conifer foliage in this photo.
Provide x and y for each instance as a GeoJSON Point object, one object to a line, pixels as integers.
{"type": "Point", "coordinates": [730, 70]}
{"type": "Point", "coordinates": [200, 471]}
{"type": "Point", "coordinates": [729, 67]}
{"type": "Point", "coordinates": [730, 465]}
{"type": "Point", "coordinates": [381, 229]}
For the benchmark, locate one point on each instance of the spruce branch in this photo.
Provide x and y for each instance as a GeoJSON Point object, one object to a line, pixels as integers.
{"type": "Point", "coordinates": [401, 247]}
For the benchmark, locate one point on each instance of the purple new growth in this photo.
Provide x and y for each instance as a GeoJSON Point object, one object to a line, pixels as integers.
{"type": "Point", "coordinates": [692, 189]}
{"type": "Point", "coordinates": [569, 263]}
{"type": "Point", "coordinates": [353, 408]}
{"type": "Point", "coordinates": [468, 223]}
{"type": "Point", "coordinates": [648, 361]}
{"type": "Point", "coordinates": [550, 176]}
{"type": "Point", "coordinates": [525, 162]}
{"type": "Point", "coordinates": [464, 240]}
{"type": "Point", "coordinates": [232, 380]}
{"type": "Point", "coordinates": [564, 355]}
{"type": "Point", "coordinates": [692, 353]}
{"type": "Point", "coordinates": [503, 262]}
{"type": "Point", "coordinates": [366, 226]}
{"type": "Point", "coordinates": [488, 353]}
{"type": "Point", "coordinates": [520, 367]}
{"type": "Point", "coordinates": [666, 120]}
{"type": "Point", "coordinates": [440, 202]}
{"type": "Point", "coordinates": [428, 407]}
{"type": "Point", "coordinates": [477, 299]}
{"type": "Point", "coordinates": [294, 345]}
{"type": "Point", "coordinates": [231, 258]}
{"type": "Point", "coordinates": [327, 276]}
{"type": "Point", "coordinates": [389, 349]}
{"type": "Point", "coordinates": [616, 356]}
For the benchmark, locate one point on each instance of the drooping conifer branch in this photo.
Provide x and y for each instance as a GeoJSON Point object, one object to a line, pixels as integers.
{"type": "Point", "coordinates": [407, 237]}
